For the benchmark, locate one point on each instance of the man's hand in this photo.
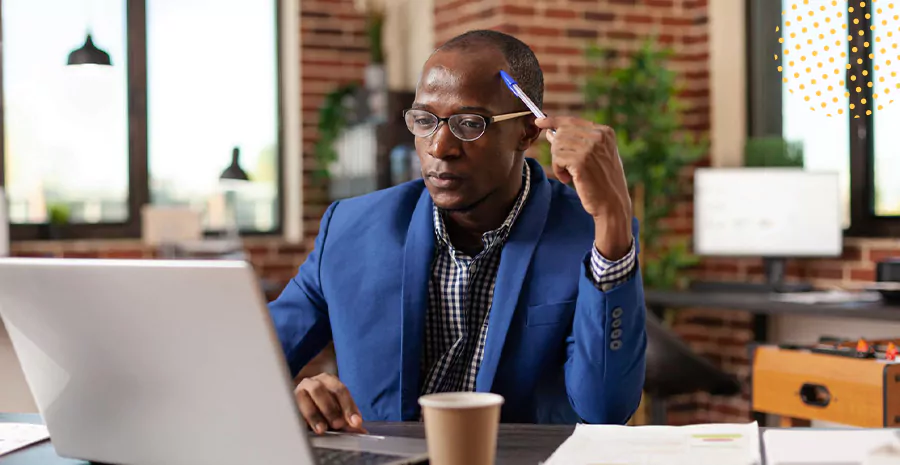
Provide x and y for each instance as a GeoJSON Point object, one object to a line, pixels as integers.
{"type": "Point", "coordinates": [586, 153]}
{"type": "Point", "coordinates": [326, 403]}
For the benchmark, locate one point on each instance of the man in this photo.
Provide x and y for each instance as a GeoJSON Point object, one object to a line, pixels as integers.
{"type": "Point", "coordinates": [482, 276]}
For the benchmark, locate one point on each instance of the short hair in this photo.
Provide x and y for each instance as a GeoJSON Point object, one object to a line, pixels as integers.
{"type": "Point", "coordinates": [523, 64]}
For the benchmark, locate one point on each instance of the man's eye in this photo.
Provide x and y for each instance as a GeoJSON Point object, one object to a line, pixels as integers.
{"type": "Point", "coordinates": [424, 122]}
{"type": "Point", "coordinates": [471, 124]}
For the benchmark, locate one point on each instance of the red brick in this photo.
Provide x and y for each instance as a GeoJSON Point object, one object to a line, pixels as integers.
{"type": "Point", "coordinates": [878, 255]}
{"type": "Point", "coordinates": [517, 10]}
{"type": "Point", "coordinates": [92, 254]}
{"type": "Point", "coordinates": [638, 19]}
{"type": "Point", "coordinates": [622, 35]}
{"type": "Point", "coordinates": [563, 50]}
{"type": "Point", "coordinates": [826, 273]}
{"type": "Point", "coordinates": [677, 21]}
{"type": "Point", "coordinates": [863, 274]}
{"type": "Point", "coordinates": [851, 253]}
{"type": "Point", "coordinates": [696, 39]}
{"type": "Point", "coordinates": [543, 31]}
{"type": "Point", "coordinates": [558, 13]}
{"type": "Point", "coordinates": [124, 254]}
{"type": "Point", "coordinates": [599, 16]}
{"type": "Point", "coordinates": [582, 33]}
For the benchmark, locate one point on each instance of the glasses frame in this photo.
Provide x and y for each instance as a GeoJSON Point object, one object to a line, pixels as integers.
{"type": "Point", "coordinates": [488, 120]}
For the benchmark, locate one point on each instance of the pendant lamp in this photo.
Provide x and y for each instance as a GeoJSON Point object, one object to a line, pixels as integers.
{"type": "Point", "coordinates": [234, 171]}
{"type": "Point", "coordinates": [89, 54]}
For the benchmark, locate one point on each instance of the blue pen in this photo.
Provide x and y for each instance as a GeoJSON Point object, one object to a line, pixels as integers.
{"type": "Point", "coordinates": [515, 89]}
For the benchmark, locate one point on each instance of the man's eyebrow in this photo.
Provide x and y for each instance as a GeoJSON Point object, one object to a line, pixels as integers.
{"type": "Point", "coordinates": [422, 106]}
{"type": "Point", "coordinates": [475, 109]}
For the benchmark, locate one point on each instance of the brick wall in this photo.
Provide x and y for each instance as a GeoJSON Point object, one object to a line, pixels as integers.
{"type": "Point", "coordinates": [334, 52]}
{"type": "Point", "coordinates": [559, 30]}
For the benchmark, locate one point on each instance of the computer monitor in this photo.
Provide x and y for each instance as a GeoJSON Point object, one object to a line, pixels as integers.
{"type": "Point", "coordinates": [774, 213]}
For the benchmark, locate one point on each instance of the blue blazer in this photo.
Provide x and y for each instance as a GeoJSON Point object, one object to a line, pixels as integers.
{"type": "Point", "coordinates": [558, 349]}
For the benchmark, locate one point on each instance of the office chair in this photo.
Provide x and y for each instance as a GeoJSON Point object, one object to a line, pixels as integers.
{"type": "Point", "coordinates": [673, 368]}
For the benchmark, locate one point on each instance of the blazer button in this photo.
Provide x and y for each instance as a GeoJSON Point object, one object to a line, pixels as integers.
{"type": "Point", "coordinates": [616, 334]}
{"type": "Point", "coordinates": [615, 345]}
{"type": "Point", "coordinates": [617, 312]}
{"type": "Point", "coordinates": [617, 322]}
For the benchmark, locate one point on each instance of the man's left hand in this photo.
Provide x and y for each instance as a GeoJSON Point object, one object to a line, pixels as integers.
{"type": "Point", "coordinates": [586, 154]}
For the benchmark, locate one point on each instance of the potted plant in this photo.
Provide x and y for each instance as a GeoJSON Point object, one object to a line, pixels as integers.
{"type": "Point", "coordinates": [375, 73]}
{"type": "Point", "coordinates": [773, 151]}
{"type": "Point", "coordinates": [58, 216]}
{"type": "Point", "coordinates": [638, 98]}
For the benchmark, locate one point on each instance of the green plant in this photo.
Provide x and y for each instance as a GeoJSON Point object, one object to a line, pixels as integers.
{"type": "Point", "coordinates": [638, 97]}
{"type": "Point", "coordinates": [332, 121]}
{"type": "Point", "coordinates": [773, 151]}
{"type": "Point", "coordinates": [374, 27]}
{"type": "Point", "coordinates": [58, 214]}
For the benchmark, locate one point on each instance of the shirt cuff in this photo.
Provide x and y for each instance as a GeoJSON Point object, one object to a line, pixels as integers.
{"type": "Point", "coordinates": [608, 273]}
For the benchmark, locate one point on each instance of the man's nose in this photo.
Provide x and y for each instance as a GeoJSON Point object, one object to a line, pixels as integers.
{"type": "Point", "coordinates": [443, 143]}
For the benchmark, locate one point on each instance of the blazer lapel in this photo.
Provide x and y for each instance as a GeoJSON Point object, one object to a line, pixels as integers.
{"type": "Point", "coordinates": [514, 263]}
{"type": "Point", "coordinates": [418, 255]}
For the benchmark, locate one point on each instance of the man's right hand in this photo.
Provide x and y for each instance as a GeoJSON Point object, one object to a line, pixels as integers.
{"type": "Point", "coordinates": [326, 403]}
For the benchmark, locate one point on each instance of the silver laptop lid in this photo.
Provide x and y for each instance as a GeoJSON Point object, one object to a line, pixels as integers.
{"type": "Point", "coordinates": [145, 361]}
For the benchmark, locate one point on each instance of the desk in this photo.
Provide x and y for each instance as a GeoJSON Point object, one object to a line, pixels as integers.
{"type": "Point", "coordinates": [517, 444]}
{"type": "Point", "coordinates": [762, 303]}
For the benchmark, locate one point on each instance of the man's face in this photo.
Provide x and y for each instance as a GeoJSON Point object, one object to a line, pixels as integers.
{"type": "Point", "coordinates": [459, 174]}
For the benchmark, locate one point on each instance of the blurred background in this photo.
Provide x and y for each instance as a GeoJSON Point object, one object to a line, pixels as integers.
{"type": "Point", "coordinates": [200, 128]}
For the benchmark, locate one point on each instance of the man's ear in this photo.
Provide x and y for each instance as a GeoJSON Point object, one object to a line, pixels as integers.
{"type": "Point", "coordinates": [530, 134]}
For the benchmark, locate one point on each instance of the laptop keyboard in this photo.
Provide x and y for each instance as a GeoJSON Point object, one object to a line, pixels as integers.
{"type": "Point", "coordinates": [350, 457]}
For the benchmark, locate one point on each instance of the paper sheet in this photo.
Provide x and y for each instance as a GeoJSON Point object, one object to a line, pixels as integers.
{"type": "Point", "coordinates": [832, 447]}
{"type": "Point", "coordinates": [14, 436]}
{"type": "Point", "coordinates": [711, 444]}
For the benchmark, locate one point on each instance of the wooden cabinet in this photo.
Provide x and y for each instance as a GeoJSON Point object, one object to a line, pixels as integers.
{"type": "Point", "coordinates": [801, 385]}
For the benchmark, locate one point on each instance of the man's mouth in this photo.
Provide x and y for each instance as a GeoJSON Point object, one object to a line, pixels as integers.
{"type": "Point", "coordinates": [445, 180]}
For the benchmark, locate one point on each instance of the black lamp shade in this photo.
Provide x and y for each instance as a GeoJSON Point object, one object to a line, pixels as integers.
{"type": "Point", "coordinates": [234, 171]}
{"type": "Point", "coordinates": [89, 54]}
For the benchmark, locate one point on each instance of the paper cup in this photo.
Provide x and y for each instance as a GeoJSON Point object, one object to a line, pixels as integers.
{"type": "Point", "coordinates": [461, 427]}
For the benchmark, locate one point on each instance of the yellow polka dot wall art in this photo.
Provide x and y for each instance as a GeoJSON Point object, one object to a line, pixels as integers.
{"type": "Point", "coordinates": [840, 58]}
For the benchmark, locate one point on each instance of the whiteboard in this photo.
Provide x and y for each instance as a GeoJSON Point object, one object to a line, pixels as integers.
{"type": "Point", "coordinates": [769, 212]}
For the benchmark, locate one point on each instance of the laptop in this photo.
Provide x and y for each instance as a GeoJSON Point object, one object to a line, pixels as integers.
{"type": "Point", "coordinates": [165, 362]}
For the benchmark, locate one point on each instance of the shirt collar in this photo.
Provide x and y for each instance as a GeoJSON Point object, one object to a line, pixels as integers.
{"type": "Point", "coordinates": [490, 238]}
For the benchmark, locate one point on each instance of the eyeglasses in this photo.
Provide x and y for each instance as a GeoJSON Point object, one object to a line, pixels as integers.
{"type": "Point", "coordinates": [466, 127]}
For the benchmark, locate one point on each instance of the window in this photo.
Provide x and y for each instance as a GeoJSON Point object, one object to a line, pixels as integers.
{"type": "Point", "coordinates": [158, 126]}
{"type": "Point", "coordinates": [66, 127]}
{"type": "Point", "coordinates": [886, 169]}
{"type": "Point", "coordinates": [863, 150]}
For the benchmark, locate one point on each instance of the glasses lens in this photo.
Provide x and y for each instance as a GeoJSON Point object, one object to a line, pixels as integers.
{"type": "Point", "coordinates": [420, 122]}
{"type": "Point", "coordinates": [467, 127]}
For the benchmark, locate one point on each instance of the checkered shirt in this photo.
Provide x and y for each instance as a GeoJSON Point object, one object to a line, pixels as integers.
{"type": "Point", "coordinates": [460, 293]}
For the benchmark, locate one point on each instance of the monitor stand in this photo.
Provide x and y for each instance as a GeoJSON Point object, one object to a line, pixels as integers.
{"type": "Point", "coordinates": [774, 269]}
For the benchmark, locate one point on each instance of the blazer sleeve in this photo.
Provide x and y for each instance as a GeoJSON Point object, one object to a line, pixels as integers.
{"type": "Point", "coordinates": [300, 313]}
{"type": "Point", "coordinates": [606, 348]}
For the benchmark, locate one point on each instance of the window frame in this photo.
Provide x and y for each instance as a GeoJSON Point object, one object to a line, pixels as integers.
{"type": "Point", "coordinates": [764, 106]}
{"type": "Point", "coordinates": [138, 167]}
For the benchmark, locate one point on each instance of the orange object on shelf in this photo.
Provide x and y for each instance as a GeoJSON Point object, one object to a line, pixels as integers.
{"type": "Point", "coordinates": [862, 346]}
{"type": "Point", "coordinates": [891, 352]}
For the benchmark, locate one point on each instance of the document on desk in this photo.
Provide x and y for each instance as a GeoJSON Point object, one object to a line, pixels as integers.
{"type": "Point", "coordinates": [707, 444]}
{"type": "Point", "coordinates": [14, 436]}
{"type": "Point", "coordinates": [832, 447]}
